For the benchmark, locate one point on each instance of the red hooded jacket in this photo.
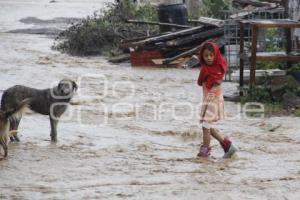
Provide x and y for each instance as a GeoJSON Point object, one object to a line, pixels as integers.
{"type": "Point", "coordinates": [211, 74]}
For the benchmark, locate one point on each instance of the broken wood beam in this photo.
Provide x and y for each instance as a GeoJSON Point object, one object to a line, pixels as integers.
{"type": "Point", "coordinates": [213, 33]}
{"type": "Point", "coordinates": [128, 41]}
{"type": "Point", "coordinates": [209, 21]}
{"type": "Point", "coordinates": [164, 37]}
{"type": "Point", "coordinates": [274, 1]}
{"type": "Point", "coordinates": [252, 3]}
{"type": "Point", "coordinates": [189, 52]}
{"type": "Point", "coordinates": [244, 13]}
{"type": "Point", "coordinates": [158, 23]}
{"type": "Point", "coordinates": [120, 58]}
{"type": "Point", "coordinates": [186, 53]}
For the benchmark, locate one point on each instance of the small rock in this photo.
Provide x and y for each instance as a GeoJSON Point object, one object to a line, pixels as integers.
{"type": "Point", "coordinates": [290, 100]}
{"type": "Point", "coordinates": [279, 82]}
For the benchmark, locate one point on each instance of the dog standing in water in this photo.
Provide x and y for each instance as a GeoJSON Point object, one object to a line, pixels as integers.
{"type": "Point", "coordinates": [5, 118]}
{"type": "Point", "coordinates": [51, 101]}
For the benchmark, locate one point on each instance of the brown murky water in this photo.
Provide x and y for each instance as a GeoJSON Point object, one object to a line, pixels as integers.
{"type": "Point", "coordinates": [131, 133]}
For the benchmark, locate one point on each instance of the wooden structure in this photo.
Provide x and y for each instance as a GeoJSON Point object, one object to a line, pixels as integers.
{"type": "Point", "coordinates": [254, 56]}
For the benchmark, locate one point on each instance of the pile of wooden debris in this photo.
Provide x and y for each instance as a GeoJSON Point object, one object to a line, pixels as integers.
{"type": "Point", "coordinates": [172, 49]}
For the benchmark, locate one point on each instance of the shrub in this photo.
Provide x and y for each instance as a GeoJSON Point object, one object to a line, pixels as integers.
{"type": "Point", "coordinates": [102, 32]}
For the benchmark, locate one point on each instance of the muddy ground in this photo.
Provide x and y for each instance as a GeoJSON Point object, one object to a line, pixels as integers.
{"type": "Point", "coordinates": [131, 133]}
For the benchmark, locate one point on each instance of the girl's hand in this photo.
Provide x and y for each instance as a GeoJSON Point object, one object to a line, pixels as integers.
{"type": "Point", "coordinates": [218, 82]}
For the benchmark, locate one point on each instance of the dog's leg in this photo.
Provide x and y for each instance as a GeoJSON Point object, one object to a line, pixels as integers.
{"type": "Point", "coordinates": [14, 125]}
{"type": "Point", "coordinates": [12, 129]}
{"type": "Point", "coordinates": [3, 142]}
{"type": "Point", "coordinates": [16, 137]}
{"type": "Point", "coordinates": [12, 139]}
{"type": "Point", "coordinates": [53, 134]}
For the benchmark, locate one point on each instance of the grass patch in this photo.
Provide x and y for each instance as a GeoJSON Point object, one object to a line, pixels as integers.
{"type": "Point", "coordinates": [297, 112]}
{"type": "Point", "coordinates": [274, 108]}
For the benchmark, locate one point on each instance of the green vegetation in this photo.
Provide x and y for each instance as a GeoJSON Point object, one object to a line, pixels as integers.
{"type": "Point", "coordinates": [273, 44]}
{"type": "Point", "coordinates": [103, 32]}
{"type": "Point", "coordinates": [273, 40]}
{"type": "Point", "coordinates": [213, 8]}
{"type": "Point", "coordinates": [271, 94]}
{"type": "Point", "coordinates": [274, 108]}
{"type": "Point", "coordinates": [258, 94]}
{"type": "Point", "coordinates": [271, 91]}
{"type": "Point", "coordinates": [295, 68]}
{"type": "Point", "coordinates": [270, 65]}
{"type": "Point", "coordinates": [297, 112]}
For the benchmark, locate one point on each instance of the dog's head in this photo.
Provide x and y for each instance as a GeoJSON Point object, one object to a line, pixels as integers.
{"type": "Point", "coordinates": [65, 89]}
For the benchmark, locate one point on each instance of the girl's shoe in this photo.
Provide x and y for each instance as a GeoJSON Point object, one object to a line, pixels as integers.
{"type": "Point", "coordinates": [204, 151]}
{"type": "Point", "coordinates": [232, 149]}
{"type": "Point", "coordinates": [228, 147]}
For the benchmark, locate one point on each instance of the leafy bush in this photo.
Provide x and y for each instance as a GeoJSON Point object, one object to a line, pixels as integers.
{"type": "Point", "coordinates": [294, 68]}
{"type": "Point", "coordinates": [270, 65]}
{"type": "Point", "coordinates": [102, 32]}
{"type": "Point", "coordinates": [263, 93]}
{"type": "Point", "coordinates": [273, 44]}
{"type": "Point", "coordinates": [258, 94]}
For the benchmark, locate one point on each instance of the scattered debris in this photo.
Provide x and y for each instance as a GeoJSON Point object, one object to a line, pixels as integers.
{"type": "Point", "coordinates": [175, 48]}
{"type": "Point", "coordinates": [120, 58]}
{"type": "Point", "coordinates": [274, 128]}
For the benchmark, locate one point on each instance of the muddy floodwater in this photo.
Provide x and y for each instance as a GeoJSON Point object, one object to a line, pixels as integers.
{"type": "Point", "coordinates": [130, 133]}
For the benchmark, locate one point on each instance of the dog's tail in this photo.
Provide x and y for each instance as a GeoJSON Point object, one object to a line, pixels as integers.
{"type": "Point", "coordinates": [21, 108]}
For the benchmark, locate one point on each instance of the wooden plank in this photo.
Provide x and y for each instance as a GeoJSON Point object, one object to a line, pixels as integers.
{"type": "Point", "coordinates": [209, 21]}
{"type": "Point", "coordinates": [186, 53]}
{"type": "Point", "coordinates": [242, 14]}
{"type": "Point", "coordinates": [124, 41]}
{"type": "Point", "coordinates": [278, 58]}
{"type": "Point", "coordinates": [158, 23]}
{"type": "Point", "coordinates": [120, 58]}
{"type": "Point", "coordinates": [165, 37]}
{"type": "Point", "coordinates": [288, 36]}
{"type": "Point", "coordinates": [274, 1]}
{"type": "Point", "coordinates": [273, 23]}
{"type": "Point", "coordinates": [252, 2]}
{"type": "Point", "coordinates": [278, 25]}
{"type": "Point", "coordinates": [253, 55]}
{"type": "Point", "coordinates": [199, 36]}
{"type": "Point", "coordinates": [241, 58]}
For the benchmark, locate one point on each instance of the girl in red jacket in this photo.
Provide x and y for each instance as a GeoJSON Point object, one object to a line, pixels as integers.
{"type": "Point", "coordinates": [213, 69]}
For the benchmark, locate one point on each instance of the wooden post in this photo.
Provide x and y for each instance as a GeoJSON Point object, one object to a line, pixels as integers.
{"type": "Point", "coordinates": [253, 55]}
{"type": "Point", "coordinates": [288, 44]}
{"type": "Point", "coordinates": [287, 31]}
{"type": "Point", "coordinates": [241, 58]}
{"type": "Point", "coordinates": [285, 4]}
